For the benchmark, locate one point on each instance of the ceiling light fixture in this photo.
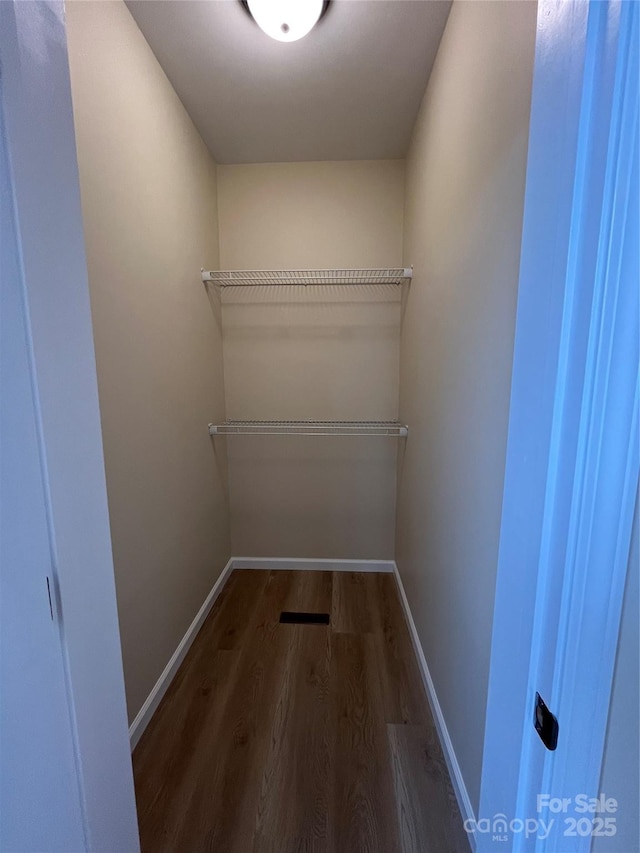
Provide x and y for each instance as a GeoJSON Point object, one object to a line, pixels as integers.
{"type": "Point", "coordinates": [286, 20]}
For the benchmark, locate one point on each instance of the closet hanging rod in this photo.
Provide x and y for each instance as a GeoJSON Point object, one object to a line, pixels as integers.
{"type": "Point", "coordinates": [294, 278]}
{"type": "Point", "coordinates": [391, 429]}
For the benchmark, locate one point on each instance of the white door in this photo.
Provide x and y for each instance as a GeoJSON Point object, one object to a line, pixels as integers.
{"type": "Point", "coordinates": [592, 478]}
{"type": "Point", "coordinates": [66, 780]}
{"type": "Point", "coordinates": [573, 454]}
{"type": "Point", "coordinates": [38, 773]}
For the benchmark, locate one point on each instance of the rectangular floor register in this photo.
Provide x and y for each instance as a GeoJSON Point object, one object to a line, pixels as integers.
{"type": "Point", "coordinates": [294, 617]}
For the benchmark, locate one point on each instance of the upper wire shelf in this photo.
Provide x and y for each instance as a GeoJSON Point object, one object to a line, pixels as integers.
{"type": "Point", "coordinates": [260, 278]}
{"type": "Point", "coordinates": [392, 429]}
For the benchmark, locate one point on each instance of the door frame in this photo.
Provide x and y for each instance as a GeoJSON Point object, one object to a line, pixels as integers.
{"type": "Point", "coordinates": [566, 522]}
{"type": "Point", "coordinates": [39, 133]}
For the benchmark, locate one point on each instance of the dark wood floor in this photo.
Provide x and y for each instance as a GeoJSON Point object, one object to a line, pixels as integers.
{"type": "Point", "coordinates": [297, 738]}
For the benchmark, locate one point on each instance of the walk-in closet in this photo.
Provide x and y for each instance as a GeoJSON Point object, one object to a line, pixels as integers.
{"type": "Point", "coordinates": [303, 262]}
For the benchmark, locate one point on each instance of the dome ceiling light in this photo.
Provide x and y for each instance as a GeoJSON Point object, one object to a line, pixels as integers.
{"type": "Point", "coordinates": [286, 20]}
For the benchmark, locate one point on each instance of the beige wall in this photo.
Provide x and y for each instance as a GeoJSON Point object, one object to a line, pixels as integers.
{"type": "Point", "coordinates": [149, 205]}
{"type": "Point", "coordinates": [463, 219]}
{"type": "Point", "coordinates": [318, 353]}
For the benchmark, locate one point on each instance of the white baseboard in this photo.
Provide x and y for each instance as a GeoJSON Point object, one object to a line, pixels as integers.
{"type": "Point", "coordinates": [312, 565]}
{"type": "Point", "coordinates": [462, 795]}
{"type": "Point", "coordinates": [147, 711]}
{"type": "Point", "coordinates": [274, 563]}
{"type": "Point", "coordinates": [266, 563]}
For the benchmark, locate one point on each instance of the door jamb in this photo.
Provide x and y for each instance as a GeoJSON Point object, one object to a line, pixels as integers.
{"type": "Point", "coordinates": [40, 138]}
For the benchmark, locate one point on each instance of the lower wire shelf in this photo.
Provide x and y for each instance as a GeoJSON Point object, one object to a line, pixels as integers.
{"type": "Point", "coordinates": [389, 429]}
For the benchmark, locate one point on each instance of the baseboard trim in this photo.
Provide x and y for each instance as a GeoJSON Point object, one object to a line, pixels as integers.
{"type": "Point", "coordinates": [160, 688]}
{"type": "Point", "coordinates": [265, 563]}
{"type": "Point", "coordinates": [287, 563]}
{"type": "Point", "coordinates": [462, 795]}
{"type": "Point", "coordinates": [312, 565]}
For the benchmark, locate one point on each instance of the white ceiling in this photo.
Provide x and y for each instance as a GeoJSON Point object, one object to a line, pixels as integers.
{"type": "Point", "coordinates": [350, 90]}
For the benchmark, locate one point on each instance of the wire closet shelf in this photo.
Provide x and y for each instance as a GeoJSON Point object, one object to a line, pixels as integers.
{"type": "Point", "coordinates": [390, 429]}
{"type": "Point", "coordinates": [294, 278]}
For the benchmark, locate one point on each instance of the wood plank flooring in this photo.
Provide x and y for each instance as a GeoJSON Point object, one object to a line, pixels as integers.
{"type": "Point", "coordinates": [297, 738]}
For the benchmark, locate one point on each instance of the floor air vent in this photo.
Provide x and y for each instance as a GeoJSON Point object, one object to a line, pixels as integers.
{"type": "Point", "coordinates": [291, 617]}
